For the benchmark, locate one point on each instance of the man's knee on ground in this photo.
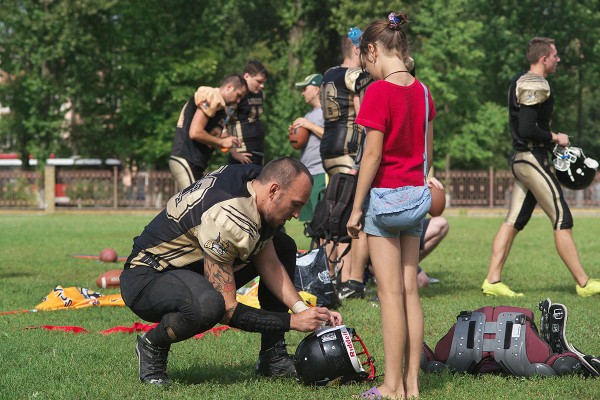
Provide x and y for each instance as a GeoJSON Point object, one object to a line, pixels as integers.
{"type": "Point", "coordinates": [195, 318]}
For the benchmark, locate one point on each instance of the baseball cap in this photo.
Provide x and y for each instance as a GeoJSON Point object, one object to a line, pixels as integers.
{"type": "Point", "coordinates": [314, 79]}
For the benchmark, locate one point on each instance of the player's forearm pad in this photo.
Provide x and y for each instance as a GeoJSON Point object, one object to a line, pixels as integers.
{"type": "Point", "coordinates": [252, 319]}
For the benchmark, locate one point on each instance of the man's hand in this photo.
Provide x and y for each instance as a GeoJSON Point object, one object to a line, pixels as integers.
{"type": "Point", "coordinates": [433, 182]}
{"type": "Point", "coordinates": [298, 122]}
{"type": "Point", "coordinates": [242, 158]}
{"type": "Point", "coordinates": [314, 318]}
{"type": "Point", "coordinates": [229, 142]}
{"type": "Point", "coordinates": [561, 139]}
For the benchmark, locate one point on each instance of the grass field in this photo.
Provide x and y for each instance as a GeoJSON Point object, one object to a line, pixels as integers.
{"type": "Point", "coordinates": [35, 254]}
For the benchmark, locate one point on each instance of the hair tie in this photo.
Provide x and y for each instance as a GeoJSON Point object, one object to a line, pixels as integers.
{"type": "Point", "coordinates": [395, 21]}
{"type": "Point", "coordinates": [354, 35]}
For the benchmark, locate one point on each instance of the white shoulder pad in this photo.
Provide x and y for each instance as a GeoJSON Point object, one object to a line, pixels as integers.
{"type": "Point", "coordinates": [351, 78]}
{"type": "Point", "coordinates": [532, 89]}
{"type": "Point", "coordinates": [410, 64]}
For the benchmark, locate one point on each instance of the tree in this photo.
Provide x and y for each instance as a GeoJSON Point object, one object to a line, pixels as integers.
{"type": "Point", "coordinates": [108, 78]}
{"type": "Point", "coordinates": [46, 51]}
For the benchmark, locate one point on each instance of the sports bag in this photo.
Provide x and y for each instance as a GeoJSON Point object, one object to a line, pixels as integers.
{"type": "Point", "coordinates": [312, 276]}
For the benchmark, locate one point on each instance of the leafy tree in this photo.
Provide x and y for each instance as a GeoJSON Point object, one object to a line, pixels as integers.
{"type": "Point", "coordinates": [108, 78]}
{"type": "Point", "coordinates": [47, 49]}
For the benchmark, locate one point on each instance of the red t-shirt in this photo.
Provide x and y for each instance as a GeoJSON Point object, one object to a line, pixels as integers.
{"type": "Point", "coordinates": [398, 112]}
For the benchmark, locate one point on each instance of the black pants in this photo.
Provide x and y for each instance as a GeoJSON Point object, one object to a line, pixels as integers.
{"type": "Point", "coordinates": [185, 301]}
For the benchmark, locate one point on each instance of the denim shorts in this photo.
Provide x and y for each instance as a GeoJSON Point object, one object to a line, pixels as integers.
{"type": "Point", "coordinates": [384, 226]}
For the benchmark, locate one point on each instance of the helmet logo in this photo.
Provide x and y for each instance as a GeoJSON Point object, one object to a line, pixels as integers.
{"type": "Point", "coordinates": [348, 343]}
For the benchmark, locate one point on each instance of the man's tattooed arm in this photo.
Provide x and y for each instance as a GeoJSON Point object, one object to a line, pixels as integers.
{"type": "Point", "coordinates": [222, 278]}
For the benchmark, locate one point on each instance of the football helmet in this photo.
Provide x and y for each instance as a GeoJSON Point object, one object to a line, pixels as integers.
{"type": "Point", "coordinates": [573, 169]}
{"type": "Point", "coordinates": [328, 357]}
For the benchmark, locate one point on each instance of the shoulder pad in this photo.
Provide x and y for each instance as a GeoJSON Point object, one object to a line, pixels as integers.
{"type": "Point", "coordinates": [410, 64]}
{"type": "Point", "coordinates": [532, 89]}
{"type": "Point", "coordinates": [351, 77]}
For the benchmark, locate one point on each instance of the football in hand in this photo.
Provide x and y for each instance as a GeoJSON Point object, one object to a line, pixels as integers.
{"type": "Point", "coordinates": [298, 137]}
{"type": "Point", "coordinates": [438, 201]}
{"type": "Point", "coordinates": [108, 255]}
{"type": "Point", "coordinates": [109, 279]}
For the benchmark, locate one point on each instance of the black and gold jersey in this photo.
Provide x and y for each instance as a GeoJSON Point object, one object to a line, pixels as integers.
{"type": "Point", "coordinates": [339, 87]}
{"type": "Point", "coordinates": [216, 215]}
{"type": "Point", "coordinates": [209, 101]}
{"type": "Point", "coordinates": [250, 107]}
{"type": "Point", "coordinates": [530, 105]}
{"type": "Point", "coordinates": [246, 125]}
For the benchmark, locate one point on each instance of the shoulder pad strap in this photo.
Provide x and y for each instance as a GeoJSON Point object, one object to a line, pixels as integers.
{"type": "Point", "coordinates": [532, 89]}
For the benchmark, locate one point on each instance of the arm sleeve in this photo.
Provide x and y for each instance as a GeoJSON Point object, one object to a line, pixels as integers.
{"type": "Point", "coordinates": [252, 319]}
{"type": "Point", "coordinates": [528, 127]}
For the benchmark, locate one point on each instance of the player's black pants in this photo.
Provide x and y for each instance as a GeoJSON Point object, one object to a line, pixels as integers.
{"type": "Point", "coordinates": [187, 303]}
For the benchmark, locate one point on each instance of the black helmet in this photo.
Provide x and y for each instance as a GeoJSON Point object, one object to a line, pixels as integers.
{"type": "Point", "coordinates": [328, 357]}
{"type": "Point", "coordinates": [573, 169]}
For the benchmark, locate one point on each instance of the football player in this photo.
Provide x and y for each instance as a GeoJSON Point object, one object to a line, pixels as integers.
{"type": "Point", "coordinates": [211, 239]}
{"type": "Point", "coordinates": [531, 103]}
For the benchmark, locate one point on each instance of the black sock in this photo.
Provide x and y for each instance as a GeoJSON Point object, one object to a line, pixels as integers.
{"type": "Point", "coordinates": [268, 340]}
{"type": "Point", "coordinates": [158, 337]}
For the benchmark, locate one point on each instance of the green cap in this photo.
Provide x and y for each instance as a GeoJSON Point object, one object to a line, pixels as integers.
{"type": "Point", "coordinates": [314, 79]}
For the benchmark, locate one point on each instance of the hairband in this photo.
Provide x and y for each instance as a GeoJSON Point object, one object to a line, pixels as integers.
{"type": "Point", "coordinates": [395, 21]}
{"type": "Point", "coordinates": [354, 35]}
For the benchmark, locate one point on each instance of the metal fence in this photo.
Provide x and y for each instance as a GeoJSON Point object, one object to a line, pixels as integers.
{"type": "Point", "coordinates": [85, 188]}
{"type": "Point", "coordinates": [112, 188]}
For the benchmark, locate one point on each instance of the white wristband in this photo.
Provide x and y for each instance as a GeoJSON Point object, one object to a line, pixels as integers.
{"type": "Point", "coordinates": [299, 306]}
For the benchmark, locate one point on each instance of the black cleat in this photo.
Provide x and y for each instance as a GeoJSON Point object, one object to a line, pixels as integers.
{"type": "Point", "coordinates": [276, 362]}
{"type": "Point", "coordinates": [152, 362]}
{"type": "Point", "coordinates": [351, 290]}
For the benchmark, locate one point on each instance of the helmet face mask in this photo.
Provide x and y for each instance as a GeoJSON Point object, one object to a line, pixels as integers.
{"type": "Point", "coordinates": [573, 169]}
{"type": "Point", "coordinates": [329, 357]}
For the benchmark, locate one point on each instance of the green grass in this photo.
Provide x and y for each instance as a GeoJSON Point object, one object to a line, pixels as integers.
{"type": "Point", "coordinates": [35, 254]}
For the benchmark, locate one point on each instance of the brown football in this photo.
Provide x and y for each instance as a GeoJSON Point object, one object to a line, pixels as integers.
{"type": "Point", "coordinates": [109, 279]}
{"type": "Point", "coordinates": [298, 137]}
{"type": "Point", "coordinates": [108, 255]}
{"type": "Point", "coordinates": [438, 201]}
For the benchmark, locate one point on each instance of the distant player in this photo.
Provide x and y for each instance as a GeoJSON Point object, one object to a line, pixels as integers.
{"type": "Point", "coordinates": [199, 129]}
{"type": "Point", "coordinates": [245, 123]}
{"type": "Point", "coordinates": [530, 106]}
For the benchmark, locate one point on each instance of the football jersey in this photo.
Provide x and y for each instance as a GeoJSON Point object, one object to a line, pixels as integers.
{"type": "Point", "coordinates": [217, 215]}
{"type": "Point", "coordinates": [342, 136]}
{"type": "Point", "coordinates": [248, 128]}
{"type": "Point", "coordinates": [531, 90]}
{"type": "Point", "coordinates": [209, 101]}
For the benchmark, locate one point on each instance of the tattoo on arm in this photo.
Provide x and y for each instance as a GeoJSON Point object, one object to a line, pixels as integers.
{"type": "Point", "coordinates": [220, 275]}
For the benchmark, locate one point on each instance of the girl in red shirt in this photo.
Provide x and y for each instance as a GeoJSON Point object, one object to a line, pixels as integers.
{"type": "Point", "coordinates": [394, 113]}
